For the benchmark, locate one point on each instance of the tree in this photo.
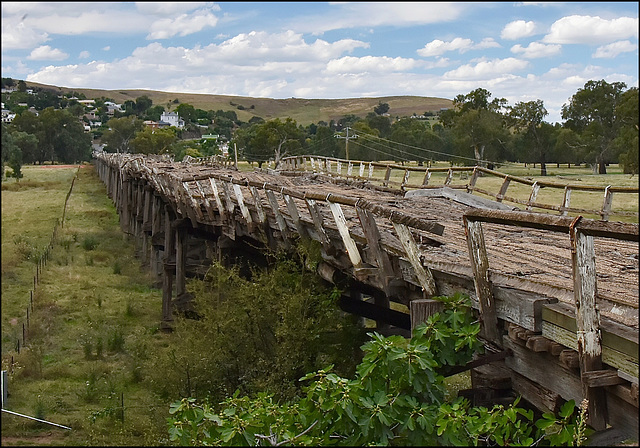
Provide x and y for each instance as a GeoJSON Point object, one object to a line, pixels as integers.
{"type": "Point", "coordinates": [477, 126]}
{"type": "Point", "coordinates": [381, 108]}
{"type": "Point", "coordinates": [143, 103]}
{"type": "Point", "coordinates": [591, 112]}
{"type": "Point", "coordinates": [527, 120]}
{"type": "Point", "coordinates": [150, 141]}
{"type": "Point", "coordinates": [187, 112]}
{"type": "Point", "coordinates": [277, 138]}
{"type": "Point", "coordinates": [121, 132]}
{"type": "Point", "coordinates": [626, 142]}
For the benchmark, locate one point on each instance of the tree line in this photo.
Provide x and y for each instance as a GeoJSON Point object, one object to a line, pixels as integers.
{"type": "Point", "coordinates": [600, 127]}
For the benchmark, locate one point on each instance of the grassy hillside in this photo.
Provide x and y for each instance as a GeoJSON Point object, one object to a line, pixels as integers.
{"type": "Point", "coordinates": [304, 111]}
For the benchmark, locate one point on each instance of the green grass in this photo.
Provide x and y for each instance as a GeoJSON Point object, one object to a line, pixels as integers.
{"type": "Point", "coordinates": [86, 319]}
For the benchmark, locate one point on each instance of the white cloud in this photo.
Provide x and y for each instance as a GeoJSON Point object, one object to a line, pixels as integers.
{"type": "Point", "coordinates": [182, 25]}
{"type": "Point", "coordinates": [368, 14]}
{"type": "Point", "coordinates": [614, 49]}
{"type": "Point", "coordinates": [438, 47]}
{"type": "Point", "coordinates": [84, 55]}
{"type": "Point", "coordinates": [171, 8]}
{"type": "Point", "coordinates": [536, 50]}
{"type": "Point", "coordinates": [488, 68]}
{"type": "Point", "coordinates": [591, 30]}
{"type": "Point", "coordinates": [18, 36]}
{"type": "Point", "coordinates": [350, 64]}
{"type": "Point", "coordinates": [107, 48]}
{"type": "Point", "coordinates": [518, 29]}
{"type": "Point", "coordinates": [46, 53]}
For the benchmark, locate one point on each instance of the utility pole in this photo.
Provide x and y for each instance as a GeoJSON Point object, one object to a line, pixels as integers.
{"type": "Point", "coordinates": [346, 141]}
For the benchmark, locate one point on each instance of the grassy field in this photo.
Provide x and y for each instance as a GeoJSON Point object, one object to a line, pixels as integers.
{"type": "Point", "coordinates": [93, 311]}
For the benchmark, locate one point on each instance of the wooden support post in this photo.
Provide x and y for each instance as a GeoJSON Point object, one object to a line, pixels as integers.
{"type": "Point", "coordinates": [503, 189]}
{"type": "Point", "coordinates": [427, 177]}
{"type": "Point", "coordinates": [480, 267]}
{"type": "Point", "coordinates": [447, 181]}
{"type": "Point", "coordinates": [387, 175]}
{"type": "Point", "coordinates": [566, 201]}
{"type": "Point", "coordinates": [216, 194]}
{"type": "Point", "coordinates": [243, 208]}
{"type": "Point", "coordinates": [262, 217]}
{"type": "Point", "coordinates": [535, 188]}
{"type": "Point", "coordinates": [606, 205]}
{"type": "Point", "coordinates": [318, 223]}
{"type": "Point", "coordinates": [282, 225]}
{"type": "Point", "coordinates": [405, 179]}
{"type": "Point", "coordinates": [583, 260]}
{"type": "Point", "coordinates": [227, 197]}
{"type": "Point", "coordinates": [295, 216]}
{"type": "Point", "coordinates": [181, 260]}
{"type": "Point", "coordinates": [361, 169]}
{"type": "Point", "coordinates": [372, 233]}
{"type": "Point", "coordinates": [167, 277]}
{"type": "Point", "coordinates": [421, 309]}
{"type": "Point", "coordinates": [423, 274]}
{"type": "Point", "coordinates": [343, 229]}
{"type": "Point", "coordinates": [472, 182]}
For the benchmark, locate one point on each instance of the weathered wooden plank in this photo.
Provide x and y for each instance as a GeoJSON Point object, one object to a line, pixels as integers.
{"type": "Point", "coordinates": [343, 229]}
{"type": "Point", "coordinates": [243, 208]}
{"type": "Point", "coordinates": [262, 217]}
{"type": "Point", "coordinates": [216, 194]}
{"type": "Point", "coordinates": [422, 273]}
{"type": "Point", "coordinates": [372, 234]}
{"type": "Point", "coordinates": [583, 260]}
{"type": "Point", "coordinates": [480, 267]}
{"type": "Point", "coordinates": [318, 223]}
{"type": "Point", "coordinates": [420, 310]}
{"type": "Point", "coordinates": [624, 362]}
{"type": "Point", "coordinates": [601, 378]}
{"type": "Point", "coordinates": [545, 370]}
{"type": "Point", "coordinates": [295, 216]}
{"type": "Point", "coordinates": [273, 202]}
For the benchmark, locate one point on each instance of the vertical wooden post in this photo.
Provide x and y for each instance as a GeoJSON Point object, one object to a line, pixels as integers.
{"type": "Point", "coordinates": [318, 223]}
{"type": "Point", "coordinates": [387, 175]}
{"type": "Point", "coordinates": [167, 278]}
{"type": "Point", "coordinates": [587, 321]}
{"type": "Point", "coordinates": [372, 233]}
{"type": "Point", "coordinates": [421, 309]}
{"type": "Point", "coordinates": [503, 189]}
{"type": "Point", "coordinates": [606, 205]}
{"type": "Point", "coordinates": [534, 194]}
{"type": "Point", "coordinates": [181, 260]}
{"type": "Point", "coordinates": [480, 267]}
{"type": "Point", "coordinates": [566, 201]}
{"type": "Point", "coordinates": [427, 177]}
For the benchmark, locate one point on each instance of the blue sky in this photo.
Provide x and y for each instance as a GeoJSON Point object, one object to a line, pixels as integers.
{"type": "Point", "coordinates": [522, 51]}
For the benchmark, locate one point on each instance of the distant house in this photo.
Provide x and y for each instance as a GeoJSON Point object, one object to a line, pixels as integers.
{"type": "Point", "coordinates": [172, 119]}
{"type": "Point", "coordinates": [7, 116]}
{"type": "Point", "coordinates": [112, 107]}
{"type": "Point", "coordinates": [151, 124]}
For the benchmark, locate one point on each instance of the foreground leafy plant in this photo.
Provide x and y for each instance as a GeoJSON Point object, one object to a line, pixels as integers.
{"type": "Point", "coordinates": [396, 398]}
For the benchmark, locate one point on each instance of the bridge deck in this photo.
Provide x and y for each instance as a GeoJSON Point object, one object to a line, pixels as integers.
{"type": "Point", "coordinates": [407, 245]}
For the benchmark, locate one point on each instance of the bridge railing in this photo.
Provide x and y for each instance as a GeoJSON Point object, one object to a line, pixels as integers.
{"type": "Point", "coordinates": [391, 175]}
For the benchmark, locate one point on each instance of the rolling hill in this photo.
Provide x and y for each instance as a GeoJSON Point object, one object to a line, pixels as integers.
{"type": "Point", "coordinates": [304, 111]}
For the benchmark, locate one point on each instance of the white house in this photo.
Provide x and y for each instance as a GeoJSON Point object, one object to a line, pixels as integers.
{"type": "Point", "coordinates": [172, 119]}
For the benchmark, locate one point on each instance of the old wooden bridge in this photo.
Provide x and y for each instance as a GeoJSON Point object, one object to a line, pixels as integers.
{"type": "Point", "coordinates": [556, 292]}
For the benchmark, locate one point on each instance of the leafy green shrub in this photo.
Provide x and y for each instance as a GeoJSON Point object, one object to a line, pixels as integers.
{"type": "Point", "coordinates": [395, 398]}
{"type": "Point", "coordinates": [117, 268]}
{"type": "Point", "coordinates": [115, 342]}
{"type": "Point", "coordinates": [89, 243]}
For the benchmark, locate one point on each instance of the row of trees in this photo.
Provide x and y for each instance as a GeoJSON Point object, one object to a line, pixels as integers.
{"type": "Point", "coordinates": [601, 127]}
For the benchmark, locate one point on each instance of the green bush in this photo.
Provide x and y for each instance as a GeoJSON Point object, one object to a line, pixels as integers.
{"type": "Point", "coordinates": [89, 243]}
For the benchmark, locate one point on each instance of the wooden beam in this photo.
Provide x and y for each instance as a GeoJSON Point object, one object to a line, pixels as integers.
{"type": "Point", "coordinates": [243, 208]}
{"type": "Point", "coordinates": [372, 234]}
{"type": "Point", "coordinates": [583, 260]}
{"type": "Point", "coordinates": [480, 267]}
{"type": "Point", "coordinates": [343, 229]}
{"type": "Point", "coordinates": [423, 274]}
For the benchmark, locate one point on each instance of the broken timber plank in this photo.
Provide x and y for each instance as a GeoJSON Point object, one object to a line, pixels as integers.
{"type": "Point", "coordinates": [425, 278]}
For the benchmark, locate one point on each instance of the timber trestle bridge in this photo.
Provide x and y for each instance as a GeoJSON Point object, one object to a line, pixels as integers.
{"type": "Point", "coordinates": [556, 292]}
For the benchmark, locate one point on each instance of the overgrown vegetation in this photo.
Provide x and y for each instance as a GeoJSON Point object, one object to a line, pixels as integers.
{"type": "Point", "coordinates": [397, 397]}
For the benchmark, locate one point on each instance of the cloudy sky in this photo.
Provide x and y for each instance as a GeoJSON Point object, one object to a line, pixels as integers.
{"type": "Point", "coordinates": [519, 51]}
